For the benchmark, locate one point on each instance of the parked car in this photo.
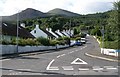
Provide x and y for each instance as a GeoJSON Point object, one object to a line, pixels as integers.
{"type": "Point", "coordinates": [78, 43]}
{"type": "Point", "coordinates": [83, 40]}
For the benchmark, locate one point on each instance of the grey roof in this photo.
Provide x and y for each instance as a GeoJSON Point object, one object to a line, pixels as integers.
{"type": "Point", "coordinates": [11, 30]}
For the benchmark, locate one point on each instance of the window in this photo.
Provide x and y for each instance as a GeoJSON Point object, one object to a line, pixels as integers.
{"type": "Point", "coordinates": [34, 31]}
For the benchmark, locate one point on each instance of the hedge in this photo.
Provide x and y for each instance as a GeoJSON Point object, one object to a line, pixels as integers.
{"type": "Point", "coordinates": [111, 44]}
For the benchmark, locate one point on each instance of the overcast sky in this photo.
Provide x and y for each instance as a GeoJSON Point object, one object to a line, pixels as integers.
{"type": "Point", "coordinates": [9, 7]}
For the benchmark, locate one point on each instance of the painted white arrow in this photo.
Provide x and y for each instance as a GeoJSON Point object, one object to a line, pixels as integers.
{"type": "Point", "coordinates": [79, 61]}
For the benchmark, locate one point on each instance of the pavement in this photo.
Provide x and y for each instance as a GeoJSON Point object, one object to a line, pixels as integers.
{"type": "Point", "coordinates": [99, 55]}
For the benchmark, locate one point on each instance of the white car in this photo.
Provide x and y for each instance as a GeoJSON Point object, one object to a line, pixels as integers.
{"type": "Point", "coordinates": [83, 40]}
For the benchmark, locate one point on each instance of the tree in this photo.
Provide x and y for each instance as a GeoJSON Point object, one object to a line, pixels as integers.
{"type": "Point", "coordinates": [112, 27]}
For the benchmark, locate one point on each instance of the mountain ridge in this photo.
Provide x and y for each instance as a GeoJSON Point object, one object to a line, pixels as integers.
{"type": "Point", "coordinates": [31, 13]}
{"type": "Point", "coordinates": [58, 11]}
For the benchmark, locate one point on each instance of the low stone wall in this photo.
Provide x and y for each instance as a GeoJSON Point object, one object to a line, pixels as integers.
{"type": "Point", "coordinates": [11, 49]}
{"type": "Point", "coordinates": [111, 52]}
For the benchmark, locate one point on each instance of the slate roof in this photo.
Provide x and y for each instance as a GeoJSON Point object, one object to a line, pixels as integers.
{"type": "Point", "coordinates": [48, 33]}
{"type": "Point", "coordinates": [11, 30]}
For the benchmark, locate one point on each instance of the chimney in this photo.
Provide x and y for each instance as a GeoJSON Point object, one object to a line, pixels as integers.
{"type": "Point", "coordinates": [37, 26]}
{"type": "Point", "coordinates": [47, 29]}
{"type": "Point", "coordinates": [23, 25]}
{"type": "Point", "coordinates": [50, 29]}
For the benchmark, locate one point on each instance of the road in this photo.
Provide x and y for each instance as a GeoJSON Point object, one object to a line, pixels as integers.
{"type": "Point", "coordinates": [70, 61]}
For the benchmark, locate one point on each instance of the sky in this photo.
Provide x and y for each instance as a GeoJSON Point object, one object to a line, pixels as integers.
{"type": "Point", "coordinates": [10, 7]}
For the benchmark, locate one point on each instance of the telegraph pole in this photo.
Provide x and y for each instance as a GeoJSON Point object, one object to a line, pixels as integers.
{"type": "Point", "coordinates": [103, 39]}
{"type": "Point", "coordinates": [17, 32]}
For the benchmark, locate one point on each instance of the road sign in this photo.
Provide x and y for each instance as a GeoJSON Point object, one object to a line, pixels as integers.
{"type": "Point", "coordinates": [78, 61]}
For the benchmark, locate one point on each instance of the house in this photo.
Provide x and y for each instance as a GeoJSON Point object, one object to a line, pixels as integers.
{"type": "Point", "coordinates": [65, 33]}
{"type": "Point", "coordinates": [37, 32]}
{"type": "Point", "coordinates": [59, 33]}
{"type": "Point", "coordinates": [53, 33]}
{"type": "Point", "coordinates": [9, 31]}
{"type": "Point", "coordinates": [70, 32]}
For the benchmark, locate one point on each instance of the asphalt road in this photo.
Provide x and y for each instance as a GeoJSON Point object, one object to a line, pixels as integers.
{"type": "Point", "coordinates": [70, 61]}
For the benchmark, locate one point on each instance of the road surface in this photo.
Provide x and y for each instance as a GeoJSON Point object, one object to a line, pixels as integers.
{"type": "Point", "coordinates": [70, 61]}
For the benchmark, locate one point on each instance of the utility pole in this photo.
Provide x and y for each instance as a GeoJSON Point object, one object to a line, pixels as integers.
{"type": "Point", "coordinates": [70, 27]}
{"type": "Point", "coordinates": [102, 31]}
{"type": "Point", "coordinates": [103, 38]}
{"type": "Point", "coordinates": [17, 33]}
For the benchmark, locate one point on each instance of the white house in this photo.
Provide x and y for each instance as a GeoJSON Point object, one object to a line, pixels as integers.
{"type": "Point", "coordinates": [37, 32]}
{"type": "Point", "coordinates": [65, 33]}
{"type": "Point", "coordinates": [70, 32]}
{"type": "Point", "coordinates": [59, 33]}
{"type": "Point", "coordinates": [50, 30]}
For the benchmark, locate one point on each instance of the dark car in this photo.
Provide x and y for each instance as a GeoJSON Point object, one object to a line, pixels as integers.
{"type": "Point", "coordinates": [78, 43]}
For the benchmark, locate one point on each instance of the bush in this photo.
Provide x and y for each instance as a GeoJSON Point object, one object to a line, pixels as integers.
{"type": "Point", "coordinates": [111, 45]}
{"type": "Point", "coordinates": [60, 38]}
{"type": "Point", "coordinates": [62, 42]}
{"type": "Point", "coordinates": [44, 41]}
{"type": "Point", "coordinates": [78, 38]}
{"type": "Point", "coordinates": [54, 42]}
{"type": "Point", "coordinates": [4, 42]}
{"type": "Point", "coordinates": [66, 38]}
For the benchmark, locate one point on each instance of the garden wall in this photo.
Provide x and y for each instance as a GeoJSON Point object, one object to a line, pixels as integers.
{"type": "Point", "coordinates": [11, 49]}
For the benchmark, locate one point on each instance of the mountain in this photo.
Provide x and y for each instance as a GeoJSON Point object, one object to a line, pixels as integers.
{"type": "Point", "coordinates": [62, 12]}
{"type": "Point", "coordinates": [28, 13]}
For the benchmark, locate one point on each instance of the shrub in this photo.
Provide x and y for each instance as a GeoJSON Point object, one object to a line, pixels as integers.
{"type": "Point", "coordinates": [43, 41]}
{"type": "Point", "coordinates": [66, 38]}
{"type": "Point", "coordinates": [111, 45]}
{"type": "Point", "coordinates": [60, 38]}
{"type": "Point", "coordinates": [62, 42]}
{"type": "Point", "coordinates": [53, 42]}
{"type": "Point", "coordinates": [78, 38]}
{"type": "Point", "coordinates": [4, 42]}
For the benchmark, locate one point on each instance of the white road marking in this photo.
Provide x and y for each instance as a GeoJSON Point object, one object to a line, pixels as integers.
{"type": "Point", "coordinates": [12, 73]}
{"type": "Point", "coordinates": [76, 50]}
{"type": "Point", "coordinates": [61, 55]}
{"type": "Point", "coordinates": [58, 56]}
{"type": "Point", "coordinates": [97, 68]}
{"type": "Point", "coordinates": [71, 51]}
{"type": "Point", "coordinates": [112, 68]}
{"type": "Point", "coordinates": [83, 69]}
{"type": "Point", "coordinates": [68, 68]}
{"type": "Point", "coordinates": [108, 66]}
{"type": "Point", "coordinates": [81, 48]}
{"type": "Point", "coordinates": [78, 59]}
{"type": "Point", "coordinates": [20, 72]}
{"type": "Point", "coordinates": [51, 68]}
